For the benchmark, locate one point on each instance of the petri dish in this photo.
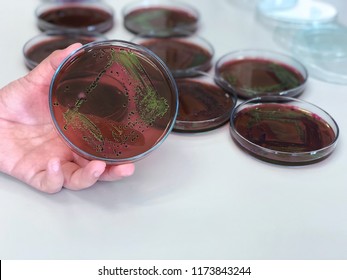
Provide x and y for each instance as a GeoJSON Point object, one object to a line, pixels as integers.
{"type": "Point", "coordinates": [203, 105]}
{"type": "Point", "coordinates": [254, 73]}
{"type": "Point", "coordinates": [284, 130]}
{"type": "Point", "coordinates": [296, 13]}
{"type": "Point", "coordinates": [160, 15]}
{"type": "Point", "coordinates": [184, 55]}
{"type": "Point", "coordinates": [87, 16]}
{"type": "Point", "coordinates": [322, 48]}
{"type": "Point", "coordinates": [39, 47]}
{"type": "Point", "coordinates": [114, 101]}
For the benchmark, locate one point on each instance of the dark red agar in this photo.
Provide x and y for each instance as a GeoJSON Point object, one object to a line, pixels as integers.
{"type": "Point", "coordinates": [77, 17]}
{"type": "Point", "coordinates": [260, 77]}
{"type": "Point", "coordinates": [181, 56]}
{"type": "Point", "coordinates": [38, 52]}
{"type": "Point", "coordinates": [202, 106]}
{"type": "Point", "coordinates": [283, 128]}
{"type": "Point", "coordinates": [160, 18]}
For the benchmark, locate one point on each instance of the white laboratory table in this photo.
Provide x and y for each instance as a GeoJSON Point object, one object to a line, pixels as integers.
{"type": "Point", "coordinates": [198, 196]}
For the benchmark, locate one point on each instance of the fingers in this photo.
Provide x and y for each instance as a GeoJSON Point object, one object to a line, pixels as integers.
{"type": "Point", "coordinates": [69, 175]}
{"type": "Point", "coordinates": [111, 173]}
{"type": "Point", "coordinates": [58, 56]}
{"type": "Point", "coordinates": [118, 172]}
{"type": "Point", "coordinates": [76, 177]}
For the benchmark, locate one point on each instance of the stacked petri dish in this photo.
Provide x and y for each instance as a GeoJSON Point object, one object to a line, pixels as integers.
{"type": "Point", "coordinates": [295, 13]}
{"type": "Point", "coordinates": [85, 16]}
{"type": "Point", "coordinates": [312, 32]}
{"type": "Point", "coordinates": [164, 16]}
{"type": "Point", "coordinates": [170, 30]}
{"type": "Point", "coordinates": [322, 48]}
{"type": "Point", "coordinates": [39, 47]}
{"type": "Point", "coordinates": [184, 53]}
{"type": "Point", "coordinates": [64, 22]}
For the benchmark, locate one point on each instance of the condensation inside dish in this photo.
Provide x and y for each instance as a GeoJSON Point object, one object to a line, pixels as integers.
{"type": "Point", "coordinates": [112, 103]}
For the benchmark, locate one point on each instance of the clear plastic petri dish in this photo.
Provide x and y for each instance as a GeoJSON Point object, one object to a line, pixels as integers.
{"type": "Point", "coordinates": [203, 105]}
{"type": "Point", "coordinates": [284, 130]}
{"type": "Point", "coordinates": [184, 55]}
{"type": "Point", "coordinates": [295, 13]}
{"type": "Point", "coordinates": [322, 48]}
{"type": "Point", "coordinates": [86, 16]}
{"type": "Point", "coordinates": [254, 73]}
{"type": "Point", "coordinates": [114, 101]}
{"type": "Point", "coordinates": [39, 47]}
{"type": "Point", "coordinates": [141, 17]}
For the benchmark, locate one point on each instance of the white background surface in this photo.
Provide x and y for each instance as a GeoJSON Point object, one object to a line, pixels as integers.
{"type": "Point", "coordinates": [198, 196]}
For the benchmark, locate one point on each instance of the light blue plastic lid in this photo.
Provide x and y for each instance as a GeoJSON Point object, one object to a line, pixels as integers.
{"type": "Point", "coordinates": [321, 48]}
{"type": "Point", "coordinates": [299, 12]}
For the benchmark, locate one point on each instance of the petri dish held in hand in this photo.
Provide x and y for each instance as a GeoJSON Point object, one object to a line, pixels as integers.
{"type": "Point", "coordinates": [41, 46]}
{"type": "Point", "coordinates": [256, 73]}
{"type": "Point", "coordinates": [114, 101]}
{"type": "Point", "coordinates": [203, 105]}
{"type": "Point", "coordinates": [284, 130]}
{"type": "Point", "coordinates": [87, 16]}
{"type": "Point", "coordinates": [160, 15]}
{"type": "Point", "coordinates": [184, 55]}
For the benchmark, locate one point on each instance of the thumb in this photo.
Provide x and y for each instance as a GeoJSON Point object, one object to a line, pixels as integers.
{"type": "Point", "coordinates": [43, 72]}
{"type": "Point", "coordinates": [58, 56]}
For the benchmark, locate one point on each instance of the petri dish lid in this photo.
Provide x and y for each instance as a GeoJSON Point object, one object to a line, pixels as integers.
{"type": "Point", "coordinates": [185, 55]}
{"type": "Point", "coordinates": [160, 15]}
{"type": "Point", "coordinates": [323, 49]}
{"type": "Point", "coordinates": [113, 101]}
{"type": "Point", "coordinates": [284, 130]}
{"type": "Point", "coordinates": [203, 105]}
{"type": "Point", "coordinates": [39, 47]}
{"type": "Point", "coordinates": [296, 12]}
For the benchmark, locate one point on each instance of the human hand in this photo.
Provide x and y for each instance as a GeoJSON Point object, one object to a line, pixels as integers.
{"type": "Point", "coordinates": [30, 148]}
